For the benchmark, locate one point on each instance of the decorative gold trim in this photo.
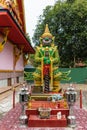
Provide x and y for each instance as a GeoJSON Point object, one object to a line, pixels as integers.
{"type": "Point", "coordinates": [39, 68]}
{"type": "Point", "coordinates": [6, 71]}
{"type": "Point", "coordinates": [56, 82]}
{"type": "Point", "coordinates": [37, 75]}
{"type": "Point", "coordinates": [25, 58]}
{"type": "Point", "coordinates": [23, 15]}
{"type": "Point", "coordinates": [6, 31]}
{"type": "Point", "coordinates": [38, 48]}
{"type": "Point", "coordinates": [3, 3]}
{"type": "Point", "coordinates": [17, 53]}
{"type": "Point", "coordinates": [51, 75]}
{"type": "Point", "coordinates": [16, 3]}
{"type": "Point", "coordinates": [46, 32]}
{"type": "Point", "coordinates": [37, 83]}
{"type": "Point", "coordinates": [55, 76]}
{"type": "Point", "coordinates": [42, 71]}
{"type": "Point", "coordinates": [56, 89]}
{"type": "Point", "coordinates": [55, 68]}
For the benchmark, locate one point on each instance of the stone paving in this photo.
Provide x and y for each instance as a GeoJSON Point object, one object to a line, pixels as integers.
{"type": "Point", "coordinates": [10, 121]}
{"type": "Point", "coordinates": [7, 103]}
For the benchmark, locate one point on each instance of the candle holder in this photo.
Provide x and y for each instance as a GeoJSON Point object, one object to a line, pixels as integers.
{"type": "Point", "coordinates": [23, 99]}
{"type": "Point", "coordinates": [71, 99]}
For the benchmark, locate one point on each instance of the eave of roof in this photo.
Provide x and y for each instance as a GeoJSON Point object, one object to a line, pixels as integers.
{"type": "Point", "coordinates": [16, 35]}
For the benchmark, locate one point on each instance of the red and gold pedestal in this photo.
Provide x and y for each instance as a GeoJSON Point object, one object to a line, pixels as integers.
{"type": "Point", "coordinates": [34, 119]}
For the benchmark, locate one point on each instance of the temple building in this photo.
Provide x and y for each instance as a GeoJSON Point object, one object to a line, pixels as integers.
{"type": "Point", "coordinates": [14, 45]}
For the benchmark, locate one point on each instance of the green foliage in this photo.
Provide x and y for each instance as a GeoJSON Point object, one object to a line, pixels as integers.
{"type": "Point", "coordinates": [68, 23]}
{"type": "Point", "coordinates": [32, 59]}
{"type": "Point", "coordinates": [28, 37]}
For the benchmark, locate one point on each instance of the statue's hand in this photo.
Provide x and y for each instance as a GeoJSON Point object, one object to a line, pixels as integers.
{"type": "Point", "coordinates": [46, 60]}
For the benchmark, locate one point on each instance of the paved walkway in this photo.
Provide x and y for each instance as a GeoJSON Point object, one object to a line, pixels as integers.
{"type": "Point", "coordinates": [10, 121]}
{"type": "Point", "coordinates": [6, 99]}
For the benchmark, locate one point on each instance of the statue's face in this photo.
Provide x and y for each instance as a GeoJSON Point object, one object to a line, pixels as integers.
{"type": "Point", "coordinates": [46, 41]}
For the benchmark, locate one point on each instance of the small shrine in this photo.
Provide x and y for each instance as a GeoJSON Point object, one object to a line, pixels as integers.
{"type": "Point", "coordinates": [47, 104]}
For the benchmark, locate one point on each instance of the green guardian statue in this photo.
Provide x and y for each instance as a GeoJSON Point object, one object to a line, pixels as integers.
{"type": "Point", "coordinates": [47, 58]}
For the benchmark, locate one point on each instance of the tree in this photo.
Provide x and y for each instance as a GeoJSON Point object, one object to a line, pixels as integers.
{"type": "Point", "coordinates": [68, 23]}
{"type": "Point", "coordinates": [70, 1]}
{"type": "Point", "coordinates": [28, 37]}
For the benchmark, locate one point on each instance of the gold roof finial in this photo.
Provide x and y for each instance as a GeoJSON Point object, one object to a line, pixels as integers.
{"type": "Point", "coordinates": [46, 32]}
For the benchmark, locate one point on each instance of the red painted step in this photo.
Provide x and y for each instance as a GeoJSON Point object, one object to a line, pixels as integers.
{"type": "Point", "coordinates": [35, 121]}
